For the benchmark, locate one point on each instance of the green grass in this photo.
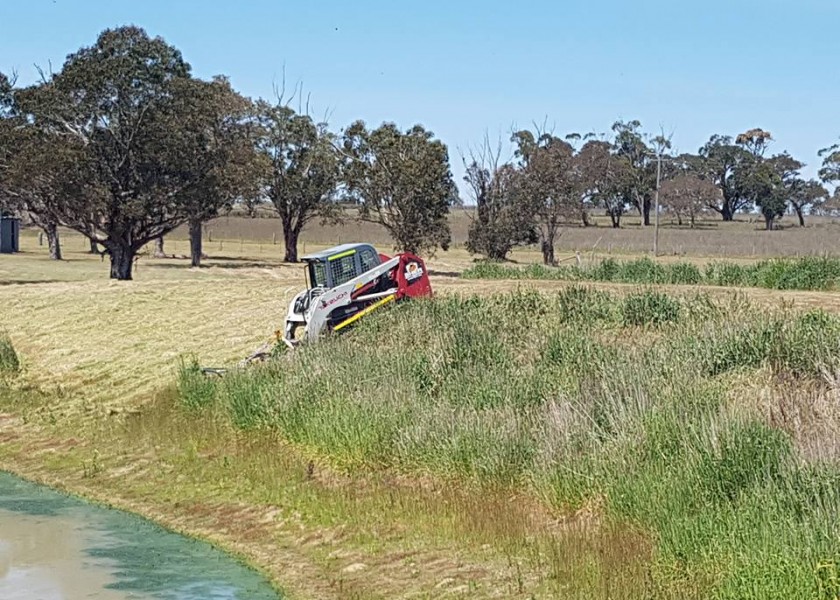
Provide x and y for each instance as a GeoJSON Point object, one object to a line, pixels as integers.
{"type": "Point", "coordinates": [808, 273]}
{"type": "Point", "coordinates": [9, 362]}
{"type": "Point", "coordinates": [582, 396]}
{"type": "Point", "coordinates": [649, 308]}
{"type": "Point", "coordinates": [194, 388]}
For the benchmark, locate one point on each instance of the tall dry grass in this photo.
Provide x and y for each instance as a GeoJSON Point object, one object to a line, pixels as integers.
{"type": "Point", "coordinates": [582, 399]}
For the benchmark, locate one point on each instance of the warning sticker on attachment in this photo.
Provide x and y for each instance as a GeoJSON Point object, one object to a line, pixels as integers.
{"type": "Point", "coordinates": [413, 271]}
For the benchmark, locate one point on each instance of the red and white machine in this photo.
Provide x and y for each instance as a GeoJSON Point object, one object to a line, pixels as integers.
{"type": "Point", "coordinates": [347, 282]}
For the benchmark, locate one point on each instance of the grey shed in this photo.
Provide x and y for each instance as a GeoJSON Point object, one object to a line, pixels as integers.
{"type": "Point", "coordinates": [9, 235]}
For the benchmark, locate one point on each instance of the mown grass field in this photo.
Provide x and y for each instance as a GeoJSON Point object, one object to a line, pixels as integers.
{"type": "Point", "coordinates": [514, 438]}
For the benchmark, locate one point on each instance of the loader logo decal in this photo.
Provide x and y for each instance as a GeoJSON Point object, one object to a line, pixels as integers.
{"type": "Point", "coordinates": [413, 271]}
{"type": "Point", "coordinates": [331, 301]}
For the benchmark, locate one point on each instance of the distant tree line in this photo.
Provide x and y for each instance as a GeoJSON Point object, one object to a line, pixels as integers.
{"type": "Point", "coordinates": [553, 181]}
{"type": "Point", "coordinates": [124, 144]}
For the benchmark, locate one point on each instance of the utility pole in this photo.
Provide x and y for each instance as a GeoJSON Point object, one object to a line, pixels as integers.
{"type": "Point", "coordinates": [656, 203]}
{"type": "Point", "coordinates": [661, 143]}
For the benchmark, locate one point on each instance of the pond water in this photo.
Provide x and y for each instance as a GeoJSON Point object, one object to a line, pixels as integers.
{"type": "Point", "coordinates": [55, 547]}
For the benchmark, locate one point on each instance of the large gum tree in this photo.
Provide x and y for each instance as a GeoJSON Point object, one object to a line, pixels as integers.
{"type": "Point", "coordinates": [301, 169]}
{"type": "Point", "coordinates": [126, 104]}
{"type": "Point", "coordinates": [402, 181]}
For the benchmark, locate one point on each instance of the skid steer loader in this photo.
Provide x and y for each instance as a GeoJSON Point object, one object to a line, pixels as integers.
{"type": "Point", "coordinates": [348, 282]}
{"type": "Point", "coordinates": [344, 284]}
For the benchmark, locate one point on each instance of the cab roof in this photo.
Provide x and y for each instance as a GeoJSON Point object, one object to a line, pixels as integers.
{"type": "Point", "coordinates": [325, 254]}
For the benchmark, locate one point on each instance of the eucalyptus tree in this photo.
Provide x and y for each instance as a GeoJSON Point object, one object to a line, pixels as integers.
{"type": "Point", "coordinates": [639, 170]}
{"type": "Point", "coordinates": [502, 216]}
{"type": "Point", "coordinates": [301, 169]}
{"type": "Point", "coordinates": [552, 180]}
{"type": "Point", "coordinates": [830, 170]}
{"type": "Point", "coordinates": [721, 161]}
{"type": "Point", "coordinates": [37, 168]}
{"type": "Point", "coordinates": [806, 195]}
{"type": "Point", "coordinates": [604, 177]}
{"type": "Point", "coordinates": [38, 172]}
{"type": "Point", "coordinates": [688, 195]}
{"type": "Point", "coordinates": [129, 106]}
{"type": "Point", "coordinates": [402, 181]}
{"type": "Point", "coordinates": [763, 185]}
{"type": "Point", "coordinates": [218, 132]}
{"type": "Point", "coordinates": [765, 182]}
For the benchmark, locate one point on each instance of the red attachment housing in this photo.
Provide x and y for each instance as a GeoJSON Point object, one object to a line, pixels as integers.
{"type": "Point", "coordinates": [412, 277]}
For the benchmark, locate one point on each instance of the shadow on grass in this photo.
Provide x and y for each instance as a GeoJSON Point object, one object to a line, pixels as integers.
{"type": "Point", "coordinates": [230, 258]}
{"type": "Point", "coordinates": [27, 281]}
{"type": "Point", "coordinates": [699, 226]}
{"type": "Point", "coordinates": [212, 264]}
{"type": "Point", "coordinates": [433, 272]}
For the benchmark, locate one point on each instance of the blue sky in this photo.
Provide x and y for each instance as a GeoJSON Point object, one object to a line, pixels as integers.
{"type": "Point", "coordinates": [466, 68]}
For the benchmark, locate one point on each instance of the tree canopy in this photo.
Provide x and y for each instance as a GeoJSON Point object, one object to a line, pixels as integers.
{"type": "Point", "coordinates": [302, 169]}
{"type": "Point", "coordinates": [402, 181]}
{"type": "Point", "coordinates": [150, 144]}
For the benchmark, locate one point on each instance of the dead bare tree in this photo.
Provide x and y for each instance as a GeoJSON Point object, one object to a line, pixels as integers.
{"type": "Point", "coordinates": [501, 219]}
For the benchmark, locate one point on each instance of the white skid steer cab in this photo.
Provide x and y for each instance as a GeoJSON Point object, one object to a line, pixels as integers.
{"type": "Point", "coordinates": [347, 282]}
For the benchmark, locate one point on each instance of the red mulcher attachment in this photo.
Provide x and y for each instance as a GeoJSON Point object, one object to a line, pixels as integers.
{"type": "Point", "coordinates": [412, 277]}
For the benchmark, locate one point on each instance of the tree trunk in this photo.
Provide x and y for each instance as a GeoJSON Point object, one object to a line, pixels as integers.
{"type": "Point", "coordinates": [679, 218]}
{"type": "Point", "coordinates": [122, 261]}
{"type": "Point", "coordinates": [290, 239]}
{"type": "Point", "coordinates": [692, 221]}
{"type": "Point", "coordinates": [584, 217]}
{"type": "Point", "coordinates": [726, 211]}
{"type": "Point", "coordinates": [799, 214]}
{"type": "Point", "coordinates": [195, 242]}
{"type": "Point", "coordinates": [646, 206]}
{"type": "Point", "coordinates": [548, 252]}
{"type": "Point", "coordinates": [51, 230]}
{"type": "Point", "coordinates": [768, 222]}
{"type": "Point", "coordinates": [94, 247]}
{"type": "Point", "coordinates": [615, 219]}
{"type": "Point", "coordinates": [498, 254]}
{"type": "Point", "coordinates": [159, 251]}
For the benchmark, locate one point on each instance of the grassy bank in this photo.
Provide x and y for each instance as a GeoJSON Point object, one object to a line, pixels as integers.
{"type": "Point", "coordinates": [429, 511]}
{"type": "Point", "coordinates": [809, 273]}
{"type": "Point", "coordinates": [698, 433]}
{"type": "Point", "coordinates": [315, 531]}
